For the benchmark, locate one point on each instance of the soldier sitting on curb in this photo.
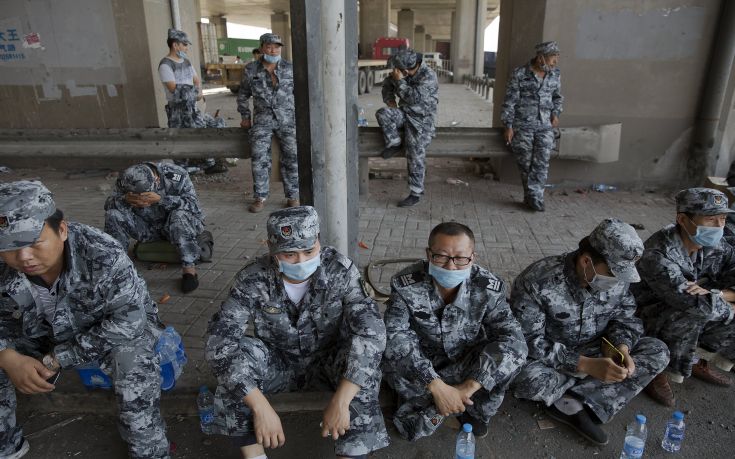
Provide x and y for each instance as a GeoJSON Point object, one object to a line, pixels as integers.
{"type": "Point", "coordinates": [686, 296]}
{"type": "Point", "coordinates": [453, 343]}
{"type": "Point", "coordinates": [568, 305]}
{"type": "Point", "coordinates": [70, 295]}
{"type": "Point", "coordinates": [315, 328]}
{"type": "Point", "coordinates": [153, 202]}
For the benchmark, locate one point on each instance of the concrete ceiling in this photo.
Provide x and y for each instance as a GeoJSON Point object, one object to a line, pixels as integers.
{"type": "Point", "coordinates": [434, 15]}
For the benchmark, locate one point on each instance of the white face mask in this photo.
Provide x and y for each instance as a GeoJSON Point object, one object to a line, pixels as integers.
{"type": "Point", "coordinates": [600, 282]}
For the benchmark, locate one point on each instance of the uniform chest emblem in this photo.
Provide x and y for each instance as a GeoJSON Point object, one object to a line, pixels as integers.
{"type": "Point", "coordinates": [272, 309]}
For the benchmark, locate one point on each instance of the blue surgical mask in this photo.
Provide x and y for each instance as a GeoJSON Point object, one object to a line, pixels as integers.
{"type": "Point", "coordinates": [271, 59]}
{"type": "Point", "coordinates": [707, 236]}
{"type": "Point", "coordinates": [299, 271]}
{"type": "Point", "coordinates": [601, 282]}
{"type": "Point", "coordinates": [448, 278]}
{"type": "Point", "coordinates": [182, 55]}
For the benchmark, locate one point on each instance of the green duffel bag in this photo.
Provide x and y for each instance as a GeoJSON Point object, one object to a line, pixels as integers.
{"type": "Point", "coordinates": [165, 252]}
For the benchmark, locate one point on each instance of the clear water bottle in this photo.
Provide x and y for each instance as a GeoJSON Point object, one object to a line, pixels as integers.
{"type": "Point", "coordinates": [602, 188]}
{"type": "Point", "coordinates": [674, 433]}
{"type": "Point", "coordinates": [172, 356]}
{"type": "Point", "coordinates": [205, 404]}
{"type": "Point", "coordinates": [361, 120]}
{"type": "Point", "coordinates": [465, 448]}
{"type": "Point", "coordinates": [635, 438]}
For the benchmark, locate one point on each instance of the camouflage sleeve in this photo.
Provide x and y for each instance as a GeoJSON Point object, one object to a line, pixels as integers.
{"type": "Point", "coordinates": [367, 332]}
{"type": "Point", "coordinates": [185, 200]}
{"type": "Point", "coordinates": [10, 327]}
{"type": "Point", "coordinates": [388, 90]}
{"type": "Point", "coordinates": [528, 310]}
{"type": "Point", "coordinates": [625, 327]}
{"type": "Point", "coordinates": [124, 317]}
{"type": "Point", "coordinates": [243, 95]}
{"type": "Point", "coordinates": [512, 96]}
{"type": "Point", "coordinates": [668, 283]}
{"type": "Point", "coordinates": [504, 355]}
{"type": "Point", "coordinates": [557, 99]}
{"type": "Point", "coordinates": [116, 200]}
{"type": "Point", "coordinates": [418, 91]}
{"type": "Point", "coordinates": [403, 349]}
{"type": "Point", "coordinates": [727, 271]}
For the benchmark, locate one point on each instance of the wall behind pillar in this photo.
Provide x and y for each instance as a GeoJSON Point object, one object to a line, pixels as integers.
{"type": "Point", "coordinates": [639, 63]}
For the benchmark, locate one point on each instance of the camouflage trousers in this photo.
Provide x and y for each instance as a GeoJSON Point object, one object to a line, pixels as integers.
{"type": "Point", "coordinates": [274, 374]}
{"type": "Point", "coordinates": [135, 372]}
{"type": "Point", "coordinates": [179, 227]}
{"type": "Point", "coordinates": [182, 111]}
{"type": "Point", "coordinates": [532, 149]}
{"type": "Point", "coordinates": [684, 332]}
{"type": "Point", "coordinates": [261, 135]}
{"type": "Point", "coordinates": [417, 416]}
{"type": "Point", "coordinates": [391, 120]}
{"type": "Point", "coordinates": [539, 382]}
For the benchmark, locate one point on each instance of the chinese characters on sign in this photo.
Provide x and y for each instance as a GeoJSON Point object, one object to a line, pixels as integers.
{"type": "Point", "coordinates": [10, 44]}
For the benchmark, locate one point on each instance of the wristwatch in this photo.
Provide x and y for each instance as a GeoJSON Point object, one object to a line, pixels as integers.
{"type": "Point", "coordinates": [49, 361]}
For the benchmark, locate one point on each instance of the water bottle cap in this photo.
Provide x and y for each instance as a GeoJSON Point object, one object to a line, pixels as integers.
{"type": "Point", "coordinates": [467, 427]}
{"type": "Point", "coordinates": [640, 418]}
{"type": "Point", "coordinates": [203, 389]}
{"type": "Point", "coordinates": [678, 415]}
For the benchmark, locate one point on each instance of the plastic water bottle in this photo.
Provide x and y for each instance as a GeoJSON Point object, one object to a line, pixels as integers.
{"type": "Point", "coordinates": [205, 404]}
{"type": "Point", "coordinates": [635, 438]}
{"type": "Point", "coordinates": [602, 188]}
{"type": "Point", "coordinates": [465, 443]}
{"type": "Point", "coordinates": [674, 433]}
{"type": "Point", "coordinates": [173, 358]}
{"type": "Point", "coordinates": [361, 120]}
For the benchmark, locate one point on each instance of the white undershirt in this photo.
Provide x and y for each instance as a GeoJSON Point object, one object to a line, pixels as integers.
{"type": "Point", "coordinates": [296, 292]}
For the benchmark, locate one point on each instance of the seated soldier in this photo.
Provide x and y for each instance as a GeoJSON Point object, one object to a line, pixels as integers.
{"type": "Point", "coordinates": [315, 328]}
{"type": "Point", "coordinates": [453, 343]}
{"type": "Point", "coordinates": [686, 294]}
{"type": "Point", "coordinates": [69, 295]}
{"type": "Point", "coordinates": [567, 306]}
{"type": "Point", "coordinates": [154, 202]}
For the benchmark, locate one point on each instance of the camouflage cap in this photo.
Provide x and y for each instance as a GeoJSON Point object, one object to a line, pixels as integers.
{"type": "Point", "coordinates": [178, 35]}
{"type": "Point", "coordinates": [293, 228]}
{"type": "Point", "coordinates": [702, 201]}
{"type": "Point", "coordinates": [547, 48]}
{"type": "Point", "coordinates": [406, 59]}
{"type": "Point", "coordinates": [24, 208]}
{"type": "Point", "coordinates": [137, 179]}
{"type": "Point", "coordinates": [270, 38]}
{"type": "Point", "coordinates": [621, 247]}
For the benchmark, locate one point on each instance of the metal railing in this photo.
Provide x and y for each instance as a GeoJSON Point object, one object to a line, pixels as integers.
{"type": "Point", "coordinates": [480, 84]}
{"type": "Point", "coordinates": [442, 70]}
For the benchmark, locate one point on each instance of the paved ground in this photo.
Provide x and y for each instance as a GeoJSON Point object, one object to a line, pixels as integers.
{"type": "Point", "coordinates": [508, 239]}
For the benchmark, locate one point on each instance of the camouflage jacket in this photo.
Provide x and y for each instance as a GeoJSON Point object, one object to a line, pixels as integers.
{"type": "Point", "coordinates": [419, 338]}
{"type": "Point", "coordinates": [418, 97]}
{"type": "Point", "coordinates": [559, 317]}
{"type": "Point", "coordinates": [665, 268]}
{"type": "Point", "coordinates": [530, 101]}
{"type": "Point", "coordinates": [102, 301]}
{"type": "Point", "coordinates": [176, 191]}
{"type": "Point", "coordinates": [268, 101]}
{"type": "Point", "coordinates": [335, 313]}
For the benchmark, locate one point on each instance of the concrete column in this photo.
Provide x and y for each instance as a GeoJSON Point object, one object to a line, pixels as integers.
{"type": "Point", "coordinates": [420, 38]}
{"type": "Point", "coordinates": [374, 23]}
{"type": "Point", "coordinates": [281, 25]}
{"type": "Point", "coordinates": [220, 25]}
{"type": "Point", "coordinates": [405, 26]}
{"type": "Point", "coordinates": [469, 15]}
{"type": "Point", "coordinates": [428, 44]}
{"type": "Point", "coordinates": [453, 41]}
{"type": "Point", "coordinates": [480, 25]}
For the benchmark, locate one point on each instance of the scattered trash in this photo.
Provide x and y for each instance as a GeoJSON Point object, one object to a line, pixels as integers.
{"type": "Point", "coordinates": [53, 427]}
{"type": "Point", "coordinates": [362, 245]}
{"type": "Point", "coordinates": [5, 170]}
{"type": "Point", "coordinates": [549, 186]}
{"type": "Point", "coordinates": [603, 188]}
{"type": "Point", "coordinates": [454, 123]}
{"type": "Point", "coordinates": [455, 181]}
{"type": "Point", "coordinates": [545, 424]}
{"type": "Point", "coordinates": [638, 226]}
{"type": "Point", "coordinates": [164, 299]}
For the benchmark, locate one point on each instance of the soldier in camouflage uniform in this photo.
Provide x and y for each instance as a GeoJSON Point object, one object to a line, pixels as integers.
{"type": "Point", "coordinates": [69, 295]}
{"type": "Point", "coordinates": [153, 202]}
{"type": "Point", "coordinates": [269, 81]}
{"type": "Point", "coordinates": [417, 89]}
{"type": "Point", "coordinates": [453, 344]}
{"type": "Point", "coordinates": [315, 327]}
{"type": "Point", "coordinates": [566, 305]}
{"type": "Point", "coordinates": [686, 296]}
{"type": "Point", "coordinates": [533, 103]}
{"type": "Point", "coordinates": [183, 89]}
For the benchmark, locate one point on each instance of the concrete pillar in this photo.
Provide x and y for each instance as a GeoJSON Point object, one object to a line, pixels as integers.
{"type": "Point", "coordinates": [281, 25]}
{"type": "Point", "coordinates": [405, 25]}
{"type": "Point", "coordinates": [467, 35]}
{"type": "Point", "coordinates": [480, 24]}
{"type": "Point", "coordinates": [374, 23]}
{"type": "Point", "coordinates": [220, 25]}
{"type": "Point", "coordinates": [428, 44]}
{"type": "Point", "coordinates": [453, 41]}
{"type": "Point", "coordinates": [420, 39]}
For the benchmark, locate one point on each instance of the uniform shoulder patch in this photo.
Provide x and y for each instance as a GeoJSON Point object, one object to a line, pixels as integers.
{"type": "Point", "coordinates": [404, 280]}
{"type": "Point", "coordinates": [495, 285]}
{"type": "Point", "coordinates": [174, 176]}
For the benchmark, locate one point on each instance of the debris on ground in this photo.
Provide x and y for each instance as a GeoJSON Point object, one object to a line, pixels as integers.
{"type": "Point", "coordinates": [164, 299]}
{"type": "Point", "coordinates": [456, 181]}
{"type": "Point", "coordinates": [362, 245]}
{"type": "Point", "coordinates": [53, 427]}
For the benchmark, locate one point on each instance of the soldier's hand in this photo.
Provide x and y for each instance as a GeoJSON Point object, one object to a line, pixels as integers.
{"type": "Point", "coordinates": [554, 121]}
{"type": "Point", "coordinates": [27, 374]}
{"type": "Point", "coordinates": [396, 74]}
{"type": "Point", "coordinates": [508, 135]}
{"type": "Point", "coordinates": [694, 289]}
{"type": "Point", "coordinates": [467, 389]}
{"type": "Point", "coordinates": [134, 199]}
{"type": "Point", "coordinates": [448, 399]}
{"type": "Point", "coordinates": [602, 368]}
{"type": "Point", "coordinates": [392, 104]}
{"type": "Point", "coordinates": [245, 124]}
{"type": "Point", "coordinates": [336, 420]}
{"type": "Point", "coordinates": [267, 424]}
{"type": "Point", "coordinates": [628, 361]}
{"type": "Point", "coordinates": [150, 198]}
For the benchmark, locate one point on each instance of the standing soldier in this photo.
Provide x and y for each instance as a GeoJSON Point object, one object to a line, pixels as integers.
{"type": "Point", "coordinates": [533, 103]}
{"type": "Point", "coordinates": [315, 327]}
{"type": "Point", "coordinates": [269, 81]}
{"type": "Point", "coordinates": [70, 295]}
{"type": "Point", "coordinates": [686, 297]}
{"type": "Point", "coordinates": [417, 89]}
{"type": "Point", "coordinates": [154, 202]}
{"type": "Point", "coordinates": [453, 344]}
{"type": "Point", "coordinates": [570, 306]}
